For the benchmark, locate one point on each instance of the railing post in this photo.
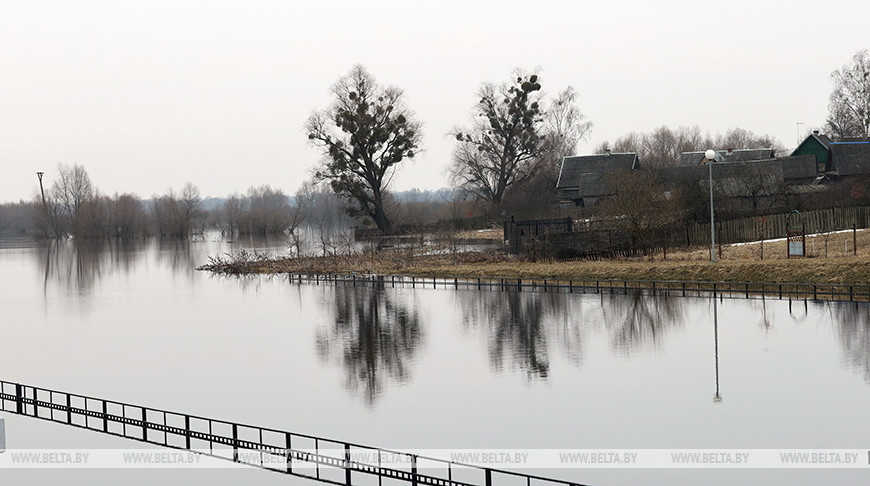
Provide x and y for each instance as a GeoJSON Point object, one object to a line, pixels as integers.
{"type": "Point", "coordinates": [488, 477]}
{"type": "Point", "coordinates": [235, 443]}
{"type": "Point", "coordinates": [105, 416]}
{"type": "Point", "coordinates": [68, 409]}
{"type": "Point", "coordinates": [288, 443]}
{"type": "Point", "coordinates": [19, 399]}
{"type": "Point", "coordinates": [413, 470]}
{"type": "Point", "coordinates": [347, 464]}
{"type": "Point", "coordinates": [187, 431]}
{"type": "Point", "coordinates": [144, 424]}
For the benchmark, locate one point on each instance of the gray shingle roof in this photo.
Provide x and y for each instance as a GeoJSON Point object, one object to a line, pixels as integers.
{"type": "Point", "coordinates": [740, 155]}
{"type": "Point", "coordinates": [586, 172]}
{"type": "Point", "coordinates": [799, 167]}
{"type": "Point", "coordinates": [733, 175]}
{"type": "Point", "coordinates": [851, 158]}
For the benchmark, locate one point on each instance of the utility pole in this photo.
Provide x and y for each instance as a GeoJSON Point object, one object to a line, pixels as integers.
{"type": "Point", "coordinates": [39, 174]}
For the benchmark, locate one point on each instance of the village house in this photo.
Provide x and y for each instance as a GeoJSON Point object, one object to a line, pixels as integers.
{"type": "Point", "coordinates": [817, 145]}
{"type": "Point", "coordinates": [582, 178]}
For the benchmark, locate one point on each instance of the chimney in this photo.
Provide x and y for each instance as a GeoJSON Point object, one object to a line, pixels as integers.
{"type": "Point", "coordinates": [607, 152]}
{"type": "Point", "coordinates": [815, 132]}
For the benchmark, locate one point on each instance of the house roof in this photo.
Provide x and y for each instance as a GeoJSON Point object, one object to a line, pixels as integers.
{"type": "Point", "coordinates": [732, 175]}
{"type": "Point", "coordinates": [740, 155]}
{"type": "Point", "coordinates": [798, 167]}
{"type": "Point", "coordinates": [850, 158]}
{"type": "Point", "coordinates": [823, 140]}
{"type": "Point", "coordinates": [586, 172]}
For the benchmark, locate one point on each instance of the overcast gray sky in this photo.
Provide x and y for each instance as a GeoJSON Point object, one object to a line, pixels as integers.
{"type": "Point", "coordinates": [149, 95]}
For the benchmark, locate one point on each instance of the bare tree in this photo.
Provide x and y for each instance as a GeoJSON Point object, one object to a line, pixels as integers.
{"type": "Point", "coordinates": [849, 106]}
{"type": "Point", "coordinates": [126, 216]}
{"type": "Point", "coordinates": [739, 138]}
{"type": "Point", "coordinates": [663, 146]}
{"type": "Point", "coordinates": [177, 215]}
{"type": "Point", "coordinates": [514, 138]}
{"type": "Point", "coordinates": [71, 190]}
{"type": "Point", "coordinates": [639, 204]}
{"type": "Point", "coordinates": [564, 125]}
{"type": "Point", "coordinates": [364, 135]}
{"type": "Point", "coordinates": [502, 147]}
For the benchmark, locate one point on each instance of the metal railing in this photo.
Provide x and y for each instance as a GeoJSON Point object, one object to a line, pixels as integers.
{"type": "Point", "coordinates": [321, 459]}
{"type": "Point", "coordinates": [825, 292]}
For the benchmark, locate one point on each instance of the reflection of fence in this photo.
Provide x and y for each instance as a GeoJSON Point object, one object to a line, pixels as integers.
{"type": "Point", "coordinates": [307, 456]}
{"type": "Point", "coordinates": [593, 239]}
{"type": "Point", "coordinates": [834, 292]}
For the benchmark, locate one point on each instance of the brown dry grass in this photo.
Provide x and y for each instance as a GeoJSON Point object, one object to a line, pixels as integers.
{"type": "Point", "coordinates": [738, 264]}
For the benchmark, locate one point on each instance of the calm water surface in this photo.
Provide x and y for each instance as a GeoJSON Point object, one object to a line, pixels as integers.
{"type": "Point", "coordinates": [423, 368]}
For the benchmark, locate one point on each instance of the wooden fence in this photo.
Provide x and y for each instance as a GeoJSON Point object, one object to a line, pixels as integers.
{"type": "Point", "coordinates": [593, 239]}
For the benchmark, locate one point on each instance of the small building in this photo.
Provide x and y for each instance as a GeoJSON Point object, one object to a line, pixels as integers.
{"type": "Point", "coordinates": [817, 145]}
{"type": "Point", "coordinates": [582, 178]}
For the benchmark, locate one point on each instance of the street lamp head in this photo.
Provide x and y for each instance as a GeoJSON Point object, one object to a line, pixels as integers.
{"type": "Point", "coordinates": [710, 154]}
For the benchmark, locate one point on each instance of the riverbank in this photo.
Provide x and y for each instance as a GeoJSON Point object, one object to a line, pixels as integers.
{"type": "Point", "coordinates": [679, 267]}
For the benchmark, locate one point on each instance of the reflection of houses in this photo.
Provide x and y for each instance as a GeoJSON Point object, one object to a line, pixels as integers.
{"type": "Point", "coordinates": [582, 178]}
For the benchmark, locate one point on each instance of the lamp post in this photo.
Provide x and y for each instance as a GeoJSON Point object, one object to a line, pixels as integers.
{"type": "Point", "coordinates": [711, 155]}
{"type": "Point", "coordinates": [39, 174]}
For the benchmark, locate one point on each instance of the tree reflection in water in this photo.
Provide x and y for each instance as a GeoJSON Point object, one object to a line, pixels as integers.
{"type": "Point", "coordinates": [517, 325]}
{"type": "Point", "coordinates": [637, 321]}
{"type": "Point", "coordinates": [852, 321]}
{"type": "Point", "coordinates": [374, 336]}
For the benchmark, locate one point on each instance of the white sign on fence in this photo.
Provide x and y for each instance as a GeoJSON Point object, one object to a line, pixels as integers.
{"type": "Point", "coordinates": [796, 248]}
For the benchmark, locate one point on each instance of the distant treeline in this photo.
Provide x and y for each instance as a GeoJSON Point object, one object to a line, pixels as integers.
{"type": "Point", "coordinates": [72, 207]}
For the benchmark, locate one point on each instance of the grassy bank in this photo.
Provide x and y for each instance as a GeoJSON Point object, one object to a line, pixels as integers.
{"type": "Point", "coordinates": [738, 264]}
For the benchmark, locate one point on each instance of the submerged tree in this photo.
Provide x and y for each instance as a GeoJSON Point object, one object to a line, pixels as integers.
{"type": "Point", "coordinates": [364, 135]}
{"type": "Point", "coordinates": [178, 214]}
{"type": "Point", "coordinates": [849, 107]}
